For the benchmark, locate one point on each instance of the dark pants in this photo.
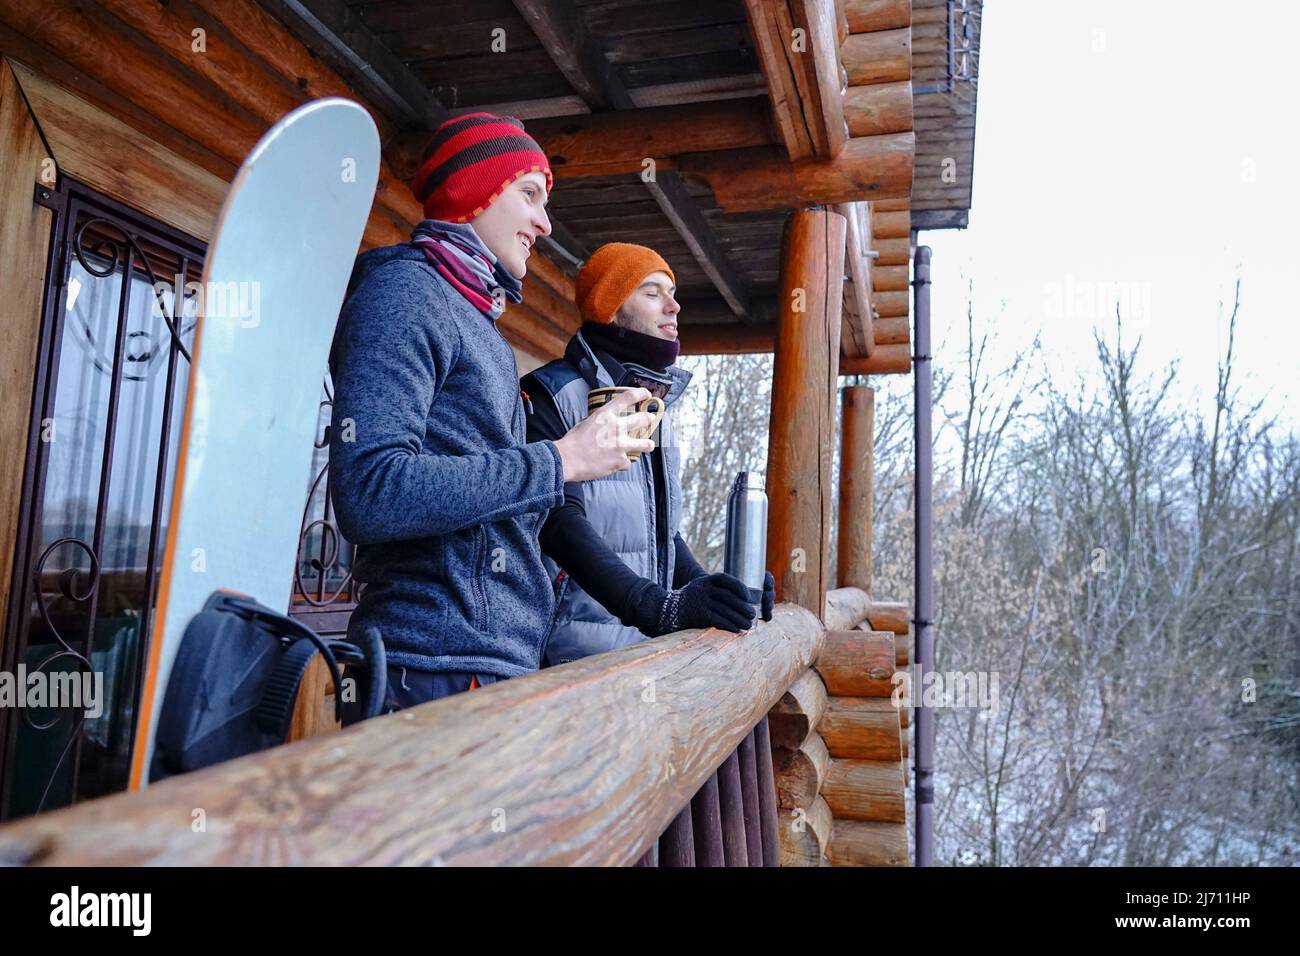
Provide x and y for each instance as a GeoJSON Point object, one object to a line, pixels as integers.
{"type": "Point", "coordinates": [408, 687]}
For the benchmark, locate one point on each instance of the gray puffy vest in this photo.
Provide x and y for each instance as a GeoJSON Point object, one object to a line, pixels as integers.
{"type": "Point", "coordinates": [621, 507]}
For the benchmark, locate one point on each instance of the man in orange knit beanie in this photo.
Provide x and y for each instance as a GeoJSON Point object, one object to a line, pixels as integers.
{"type": "Point", "coordinates": [622, 571]}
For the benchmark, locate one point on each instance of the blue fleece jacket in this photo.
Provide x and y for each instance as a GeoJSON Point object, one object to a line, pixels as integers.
{"type": "Point", "coordinates": [431, 475]}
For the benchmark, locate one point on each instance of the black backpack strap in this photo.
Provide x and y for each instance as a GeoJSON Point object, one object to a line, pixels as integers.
{"type": "Point", "coordinates": [275, 709]}
{"type": "Point", "coordinates": [376, 660]}
{"type": "Point", "coordinates": [371, 662]}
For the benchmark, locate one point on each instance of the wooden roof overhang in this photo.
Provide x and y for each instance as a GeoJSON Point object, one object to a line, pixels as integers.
{"type": "Point", "coordinates": [945, 76]}
{"type": "Point", "coordinates": [742, 109]}
{"type": "Point", "coordinates": [693, 127]}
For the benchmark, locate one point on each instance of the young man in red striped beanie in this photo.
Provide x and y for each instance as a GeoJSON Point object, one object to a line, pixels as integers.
{"type": "Point", "coordinates": [431, 475]}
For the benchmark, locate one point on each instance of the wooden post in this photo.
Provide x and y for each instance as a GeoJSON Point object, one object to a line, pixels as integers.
{"type": "Point", "coordinates": [798, 470]}
{"type": "Point", "coordinates": [857, 429]}
{"type": "Point", "coordinates": [804, 379]}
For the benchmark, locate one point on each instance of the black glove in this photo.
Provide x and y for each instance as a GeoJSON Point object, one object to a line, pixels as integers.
{"type": "Point", "coordinates": [715, 600]}
{"type": "Point", "coordinates": [718, 600]}
{"type": "Point", "coordinates": [769, 595]}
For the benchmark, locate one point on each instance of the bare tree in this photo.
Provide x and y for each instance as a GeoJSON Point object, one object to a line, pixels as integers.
{"type": "Point", "coordinates": [1127, 566]}
{"type": "Point", "coordinates": [1129, 572]}
{"type": "Point", "coordinates": [723, 421]}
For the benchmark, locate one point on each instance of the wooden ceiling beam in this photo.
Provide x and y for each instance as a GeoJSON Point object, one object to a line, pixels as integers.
{"type": "Point", "coordinates": [826, 77]}
{"type": "Point", "coordinates": [857, 336]}
{"type": "Point", "coordinates": [526, 110]}
{"type": "Point", "coordinates": [733, 338]}
{"type": "Point", "coordinates": [337, 35]}
{"type": "Point", "coordinates": [798, 48]}
{"type": "Point", "coordinates": [713, 311]}
{"type": "Point", "coordinates": [727, 338]}
{"type": "Point", "coordinates": [577, 55]}
{"type": "Point", "coordinates": [602, 144]}
{"type": "Point", "coordinates": [749, 180]}
{"type": "Point", "coordinates": [709, 89]}
{"type": "Point", "coordinates": [670, 193]}
{"type": "Point", "coordinates": [771, 25]}
{"type": "Point", "coordinates": [605, 143]}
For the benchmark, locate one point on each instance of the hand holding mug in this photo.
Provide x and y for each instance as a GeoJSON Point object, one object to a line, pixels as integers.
{"type": "Point", "coordinates": [652, 405]}
{"type": "Point", "coordinates": [601, 443]}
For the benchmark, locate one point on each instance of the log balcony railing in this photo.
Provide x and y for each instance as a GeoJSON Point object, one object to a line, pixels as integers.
{"type": "Point", "coordinates": [587, 763]}
{"type": "Point", "coordinates": [643, 755]}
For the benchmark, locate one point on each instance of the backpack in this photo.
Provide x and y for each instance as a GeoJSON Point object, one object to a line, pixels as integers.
{"type": "Point", "coordinates": [235, 680]}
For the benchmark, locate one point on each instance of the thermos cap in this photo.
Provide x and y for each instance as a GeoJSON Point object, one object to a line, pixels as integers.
{"type": "Point", "coordinates": [749, 480]}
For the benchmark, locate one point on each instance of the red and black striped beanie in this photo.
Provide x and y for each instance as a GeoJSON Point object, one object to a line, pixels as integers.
{"type": "Point", "coordinates": [470, 161]}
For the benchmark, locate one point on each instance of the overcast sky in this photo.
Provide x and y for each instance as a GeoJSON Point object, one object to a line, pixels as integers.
{"type": "Point", "coordinates": [1147, 147]}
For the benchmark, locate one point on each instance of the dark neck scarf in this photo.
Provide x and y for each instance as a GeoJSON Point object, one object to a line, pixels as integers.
{"type": "Point", "coordinates": [628, 346]}
{"type": "Point", "coordinates": [460, 257]}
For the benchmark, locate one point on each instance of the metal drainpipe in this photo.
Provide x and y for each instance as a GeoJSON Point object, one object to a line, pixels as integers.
{"type": "Point", "coordinates": [923, 619]}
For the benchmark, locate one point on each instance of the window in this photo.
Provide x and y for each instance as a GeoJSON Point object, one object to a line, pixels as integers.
{"type": "Point", "coordinates": [117, 330]}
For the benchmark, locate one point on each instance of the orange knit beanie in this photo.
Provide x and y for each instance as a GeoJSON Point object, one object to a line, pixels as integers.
{"type": "Point", "coordinates": [613, 273]}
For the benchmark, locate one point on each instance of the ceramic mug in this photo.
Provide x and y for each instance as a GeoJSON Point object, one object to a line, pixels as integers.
{"type": "Point", "coordinates": [655, 406]}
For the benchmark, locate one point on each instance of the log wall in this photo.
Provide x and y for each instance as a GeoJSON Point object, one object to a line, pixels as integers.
{"type": "Point", "coordinates": [842, 749]}
{"type": "Point", "coordinates": [182, 120]}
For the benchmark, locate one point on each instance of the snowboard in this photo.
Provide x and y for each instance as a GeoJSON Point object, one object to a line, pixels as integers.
{"type": "Point", "coordinates": [277, 268]}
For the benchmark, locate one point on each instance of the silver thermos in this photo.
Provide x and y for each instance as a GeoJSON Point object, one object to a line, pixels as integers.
{"type": "Point", "coordinates": [746, 550]}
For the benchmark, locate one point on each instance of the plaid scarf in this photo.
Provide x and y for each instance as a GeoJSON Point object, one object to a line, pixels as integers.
{"type": "Point", "coordinates": [460, 257]}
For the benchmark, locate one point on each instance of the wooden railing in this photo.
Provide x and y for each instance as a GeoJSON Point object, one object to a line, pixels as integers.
{"type": "Point", "coordinates": [588, 763]}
